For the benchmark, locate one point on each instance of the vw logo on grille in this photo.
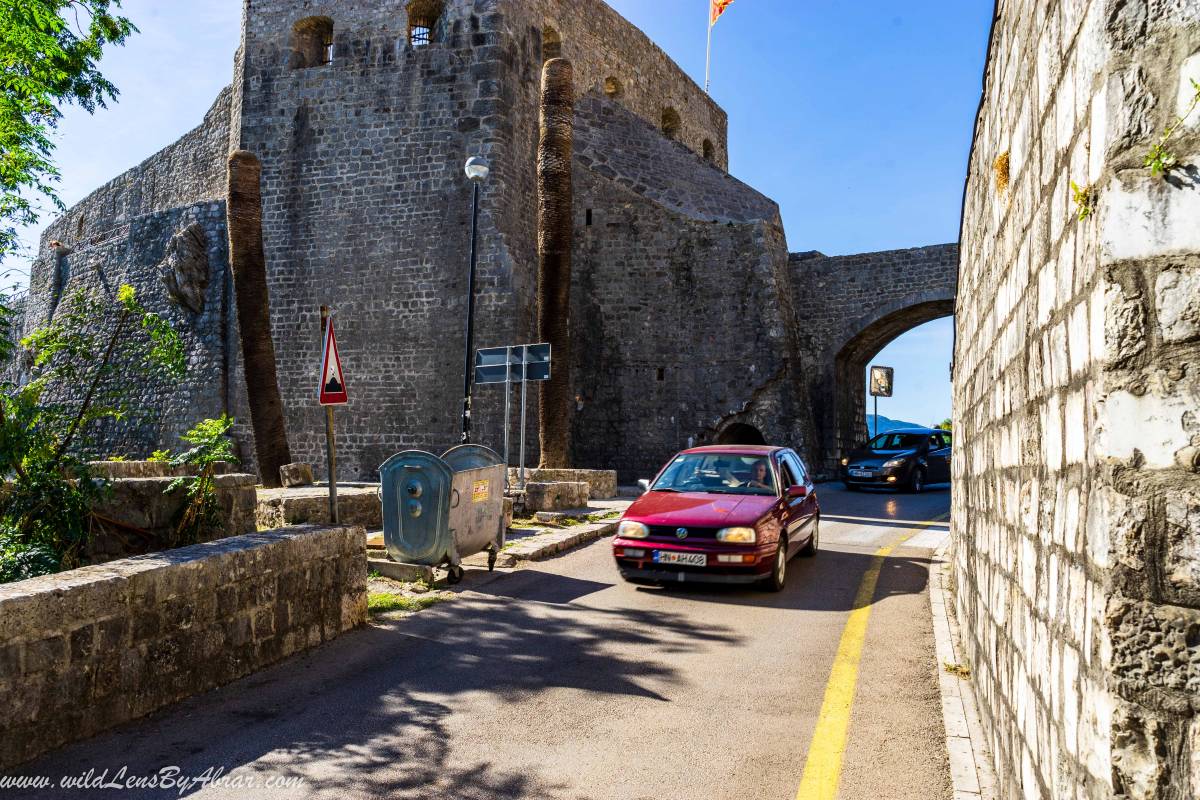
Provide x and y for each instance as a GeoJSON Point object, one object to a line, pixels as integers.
{"type": "Point", "coordinates": [681, 533]}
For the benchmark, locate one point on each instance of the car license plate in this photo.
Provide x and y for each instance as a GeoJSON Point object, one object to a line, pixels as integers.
{"type": "Point", "coordinates": [861, 473]}
{"type": "Point", "coordinates": [688, 559]}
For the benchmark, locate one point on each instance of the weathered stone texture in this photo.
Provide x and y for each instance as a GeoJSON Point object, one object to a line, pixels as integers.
{"type": "Point", "coordinates": [147, 514]}
{"type": "Point", "coordinates": [1075, 396]}
{"type": "Point", "coordinates": [98, 646]}
{"type": "Point", "coordinates": [602, 483]}
{"type": "Point", "coordinates": [357, 505]}
{"type": "Point", "coordinates": [556, 496]}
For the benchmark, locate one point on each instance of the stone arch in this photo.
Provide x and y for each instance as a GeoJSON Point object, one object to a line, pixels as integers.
{"type": "Point", "coordinates": [312, 43]}
{"type": "Point", "coordinates": [740, 433]}
{"type": "Point", "coordinates": [423, 16]}
{"type": "Point", "coordinates": [868, 335]}
{"type": "Point", "coordinates": [613, 87]}
{"type": "Point", "coordinates": [671, 123]}
{"type": "Point", "coordinates": [708, 151]}
{"type": "Point", "coordinates": [551, 43]}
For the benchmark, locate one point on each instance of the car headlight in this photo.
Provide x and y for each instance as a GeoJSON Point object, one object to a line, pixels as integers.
{"type": "Point", "coordinates": [845, 461]}
{"type": "Point", "coordinates": [737, 535]}
{"type": "Point", "coordinates": [895, 462]}
{"type": "Point", "coordinates": [632, 530]}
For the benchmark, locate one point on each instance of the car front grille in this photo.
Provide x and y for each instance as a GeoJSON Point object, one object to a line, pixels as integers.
{"type": "Point", "coordinates": [671, 532]}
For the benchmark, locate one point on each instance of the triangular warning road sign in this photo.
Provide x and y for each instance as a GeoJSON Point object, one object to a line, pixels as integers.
{"type": "Point", "coordinates": [332, 388]}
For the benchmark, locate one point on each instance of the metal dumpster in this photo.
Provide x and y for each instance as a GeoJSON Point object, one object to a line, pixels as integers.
{"type": "Point", "coordinates": [440, 510]}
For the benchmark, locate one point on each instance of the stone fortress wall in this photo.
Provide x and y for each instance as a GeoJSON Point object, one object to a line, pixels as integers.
{"type": "Point", "coordinates": [1077, 501]}
{"type": "Point", "coordinates": [129, 231]}
{"type": "Point", "coordinates": [366, 210]}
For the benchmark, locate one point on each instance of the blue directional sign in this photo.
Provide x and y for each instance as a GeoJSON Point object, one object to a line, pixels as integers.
{"type": "Point", "coordinates": [523, 362]}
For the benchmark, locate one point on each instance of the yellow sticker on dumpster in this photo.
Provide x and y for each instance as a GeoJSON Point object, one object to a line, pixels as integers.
{"type": "Point", "coordinates": [481, 491]}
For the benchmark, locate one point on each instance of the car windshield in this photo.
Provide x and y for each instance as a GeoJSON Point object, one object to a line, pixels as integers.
{"type": "Point", "coordinates": [717, 473]}
{"type": "Point", "coordinates": [898, 441]}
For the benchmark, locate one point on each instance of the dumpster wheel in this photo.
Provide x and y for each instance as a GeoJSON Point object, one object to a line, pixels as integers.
{"type": "Point", "coordinates": [454, 574]}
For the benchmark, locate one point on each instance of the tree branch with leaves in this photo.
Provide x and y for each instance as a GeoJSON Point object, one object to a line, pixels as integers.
{"type": "Point", "coordinates": [49, 51]}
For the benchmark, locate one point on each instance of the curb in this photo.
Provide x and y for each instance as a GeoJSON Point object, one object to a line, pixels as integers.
{"type": "Point", "coordinates": [971, 769]}
{"type": "Point", "coordinates": [545, 545]}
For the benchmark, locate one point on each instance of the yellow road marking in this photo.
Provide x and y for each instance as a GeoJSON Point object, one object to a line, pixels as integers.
{"type": "Point", "coordinates": [823, 767]}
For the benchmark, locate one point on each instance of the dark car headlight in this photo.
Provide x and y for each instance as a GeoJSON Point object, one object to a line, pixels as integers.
{"type": "Point", "coordinates": [895, 462]}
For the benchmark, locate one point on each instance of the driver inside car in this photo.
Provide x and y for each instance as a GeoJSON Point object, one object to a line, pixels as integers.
{"type": "Point", "coordinates": [760, 477]}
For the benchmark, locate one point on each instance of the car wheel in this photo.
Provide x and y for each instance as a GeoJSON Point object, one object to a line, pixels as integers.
{"type": "Point", "coordinates": [810, 549]}
{"type": "Point", "coordinates": [916, 483]}
{"type": "Point", "coordinates": [774, 582]}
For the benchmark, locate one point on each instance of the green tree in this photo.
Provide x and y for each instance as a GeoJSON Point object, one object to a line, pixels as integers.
{"type": "Point", "coordinates": [84, 370]}
{"type": "Point", "coordinates": [945, 425]}
{"type": "Point", "coordinates": [49, 50]}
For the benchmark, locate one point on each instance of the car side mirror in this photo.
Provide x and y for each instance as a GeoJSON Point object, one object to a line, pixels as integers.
{"type": "Point", "coordinates": [644, 485]}
{"type": "Point", "coordinates": [797, 491]}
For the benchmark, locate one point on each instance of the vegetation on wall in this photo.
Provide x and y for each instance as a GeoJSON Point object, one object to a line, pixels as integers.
{"type": "Point", "coordinates": [1161, 159]}
{"type": "Point", "coordinates": [84, 371]}
{"type": "Point", "coordinates": [1000, 172]}
{"type": "Point", "coordinates": [1085, 200]}
{"type": "Point", "coordinates": [210, 446]}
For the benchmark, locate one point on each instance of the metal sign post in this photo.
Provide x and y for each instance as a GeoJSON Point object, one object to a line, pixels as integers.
{"type": "Point", "coordinates": [504, 365]}
{"type": "Point", "coordinates": [524, 356]}
{"type": "Point", "coordinates": [331, 391]}
{"type": "Point", "coordinates": [881, 386]}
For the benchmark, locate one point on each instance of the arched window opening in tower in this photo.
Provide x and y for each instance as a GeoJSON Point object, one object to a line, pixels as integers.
{"type": "Point", "coordinates": [710, 152]}
{"type": "Point", "coordinates": [312, 43]}
{"type": "Point", "coordinates": [551, 44]}
{"type": "Point", "coordinates": [612, 87]}
{"type": "Point", "coordinates": [423, 17]}
{"type": "Point", "coordinates": [671, 123]}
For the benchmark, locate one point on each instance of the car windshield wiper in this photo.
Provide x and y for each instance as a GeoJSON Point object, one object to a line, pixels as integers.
{"type": "Point", "coordinates": [664, 489]}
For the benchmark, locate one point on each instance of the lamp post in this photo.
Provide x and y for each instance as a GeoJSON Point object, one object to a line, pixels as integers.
{"type": "Point", "coordinates": [477, 172]}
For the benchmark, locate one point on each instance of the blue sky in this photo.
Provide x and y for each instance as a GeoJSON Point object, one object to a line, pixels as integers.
{"type": "Point", "coordinates": [855, 117]}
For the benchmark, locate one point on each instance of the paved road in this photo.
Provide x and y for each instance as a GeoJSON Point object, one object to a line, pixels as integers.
{"type": "Point", "coordinates": [558, 681]}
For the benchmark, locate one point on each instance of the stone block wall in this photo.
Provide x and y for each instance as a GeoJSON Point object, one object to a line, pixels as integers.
{"type": "Point", "coordinates": [1075, 511]}
{"type": "Point", "coordinates": [85, 650]}
{"type": "Point", "coordinates": [141, 516]}
{"type": "Point", "coordinates": [678, 330]}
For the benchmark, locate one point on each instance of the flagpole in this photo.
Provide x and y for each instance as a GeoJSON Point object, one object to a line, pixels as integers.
{"type": "Point", "coordinates": [708, 54]}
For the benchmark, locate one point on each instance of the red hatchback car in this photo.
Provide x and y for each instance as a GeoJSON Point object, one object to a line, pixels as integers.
{"type": "Point", "coordinates": [721, 514]}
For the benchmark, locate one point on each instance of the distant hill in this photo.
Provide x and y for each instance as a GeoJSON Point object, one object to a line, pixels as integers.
{"type": "Point", "coordinates": [887, 424]}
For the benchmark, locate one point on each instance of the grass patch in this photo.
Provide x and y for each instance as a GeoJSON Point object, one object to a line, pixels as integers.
{"type": "Point", "coordinates": [958, 670]}
{"type": "Point", "coordinates": [603, 516]}
{"type": "Point", "coordinates": [383, 602]}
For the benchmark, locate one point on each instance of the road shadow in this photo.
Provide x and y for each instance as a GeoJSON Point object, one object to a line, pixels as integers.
{"type": "Point", "coordinates": [827, 582]}
{"type": "Point", "coordinates": [368, 715]}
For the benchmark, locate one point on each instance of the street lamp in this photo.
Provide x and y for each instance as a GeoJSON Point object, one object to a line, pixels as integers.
{"type": "Point", "coordinates": [476, 170]}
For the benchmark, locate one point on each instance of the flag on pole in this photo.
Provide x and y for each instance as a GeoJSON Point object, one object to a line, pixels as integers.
{"type": "Point", "coordinates": [717, 8]}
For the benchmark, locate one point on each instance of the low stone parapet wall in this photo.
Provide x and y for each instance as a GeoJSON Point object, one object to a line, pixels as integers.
{"type": "Point", "coordinates": [557, 496]}
{"type": "Point", "coordinates": [357, 505]}
{"type": "Point", "coordinates": [602, 483]}
{"type": "Point", "coordinates": [140, 515]}
{"type": "Point", "coordinates": [84, 650]}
